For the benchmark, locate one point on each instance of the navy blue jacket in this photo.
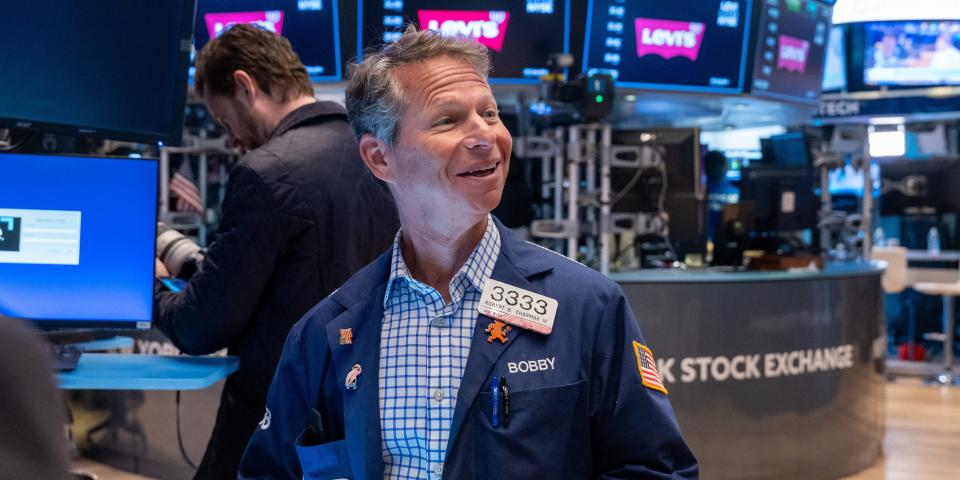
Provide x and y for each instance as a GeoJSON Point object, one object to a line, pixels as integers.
{"type": "Point", "coordinates": [586, 415]}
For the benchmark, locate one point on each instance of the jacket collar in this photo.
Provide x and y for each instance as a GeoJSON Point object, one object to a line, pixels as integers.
{"type": "Point", "coordinates": [362, 298]}
{"type": "Point", "coordinates": [307, 113]}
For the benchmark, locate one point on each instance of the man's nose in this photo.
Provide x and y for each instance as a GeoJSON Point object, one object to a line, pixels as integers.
{"type": "Point", "coordinates": [481, 134]}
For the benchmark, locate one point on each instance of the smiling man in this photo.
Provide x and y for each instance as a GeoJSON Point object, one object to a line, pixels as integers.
{"type": "Point", "coordinates": [462, 352]}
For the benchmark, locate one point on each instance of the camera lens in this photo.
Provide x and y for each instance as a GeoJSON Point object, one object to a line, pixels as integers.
{"type": "Point", "coordinates": [177, 252]}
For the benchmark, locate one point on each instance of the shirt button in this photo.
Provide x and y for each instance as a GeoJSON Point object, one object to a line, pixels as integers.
{"type": "Point", "coordinates": [438, 395]}
{"type": "Point", "coordinates": [438, 469]}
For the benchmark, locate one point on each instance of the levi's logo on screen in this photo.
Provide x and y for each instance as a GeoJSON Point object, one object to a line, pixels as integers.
{"type": "Point", "coordinates": [486, 27]}
{"type": "Point", "coordinates": [270, 20]}
{"type": "Point", "coordinates": [793, 54]}
{"type": "Point", "coordinates": [668, 38]}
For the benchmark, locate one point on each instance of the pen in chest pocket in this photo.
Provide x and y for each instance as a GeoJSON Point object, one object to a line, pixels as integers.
{"type": "Point", "coordinates": [505, 397]}
{"type": "Point", "coordinates": [495, 402]}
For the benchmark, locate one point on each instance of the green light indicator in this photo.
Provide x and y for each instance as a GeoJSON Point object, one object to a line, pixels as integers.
{"type": "Point", "coordinates": [599, 98]}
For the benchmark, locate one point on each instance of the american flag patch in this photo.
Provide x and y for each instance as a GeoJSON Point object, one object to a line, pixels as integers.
{"type": "Point", "coordinates": [648, 368]}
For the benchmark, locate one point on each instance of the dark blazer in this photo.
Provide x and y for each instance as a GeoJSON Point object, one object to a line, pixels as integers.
{"type": "Point", "coordinates": [584, 412]}
{"type": "Point", "coordinates": [301, 214]}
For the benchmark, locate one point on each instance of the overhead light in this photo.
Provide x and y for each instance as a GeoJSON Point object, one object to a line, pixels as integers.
{"type": "Point", "coordinates": [630, 98]}
{"type": "Point", "coordinates": [887, 120]}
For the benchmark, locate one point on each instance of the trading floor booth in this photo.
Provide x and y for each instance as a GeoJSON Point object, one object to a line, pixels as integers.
{"type": "Point", "coordinates": [772, 374]}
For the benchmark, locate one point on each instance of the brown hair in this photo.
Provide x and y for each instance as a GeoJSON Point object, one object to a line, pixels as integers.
{"type": "Point", "coordinates": [267, 58]}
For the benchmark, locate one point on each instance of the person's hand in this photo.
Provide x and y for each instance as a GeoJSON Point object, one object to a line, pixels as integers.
{"type": "Point", "coordinates": [160, 271]}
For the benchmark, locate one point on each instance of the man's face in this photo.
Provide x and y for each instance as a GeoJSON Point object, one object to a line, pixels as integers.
{"type": "Point", "coordinates": [238, 120]}
{"type": "Point", "coordinates": [452, 152]}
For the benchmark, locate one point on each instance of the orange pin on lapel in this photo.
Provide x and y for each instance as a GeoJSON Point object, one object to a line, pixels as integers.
{"type": "Point", "coordinates": [498, 331]}
{"type": "Point", "coordinates": [346, 336]}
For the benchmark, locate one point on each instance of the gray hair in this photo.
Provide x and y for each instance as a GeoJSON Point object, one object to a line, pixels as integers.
{"type": "Point", "coordinates": [374, 97]}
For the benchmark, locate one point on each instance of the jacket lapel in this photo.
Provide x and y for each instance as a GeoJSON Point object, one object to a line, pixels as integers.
{"type": "Point", "coordinates": [484, 355]}
{"type": "Point", "coordinates": [361, 407]}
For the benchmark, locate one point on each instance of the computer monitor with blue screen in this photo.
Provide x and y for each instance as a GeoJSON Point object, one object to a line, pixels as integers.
{"type": "Point", "coordinates": [312, 26]}
{"type": "Point", "coordinates": [519, 34]}
{"type": "Point", "coordinates": [849, 181]}
{"type": "Point", "coordinates": [679, 45]}
{"type": "Point", "coordinates": [77, 239]}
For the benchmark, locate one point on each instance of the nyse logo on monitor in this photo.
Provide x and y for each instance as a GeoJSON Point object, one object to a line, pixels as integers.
{"type": "Point", "coordinates": [10, 234]}
{"type": "Point", "coordinates": [487, 27]}
{"type": "Point", "coordinates": [793, 54]}
{"type": "Point", "coordinates": [668, 38]}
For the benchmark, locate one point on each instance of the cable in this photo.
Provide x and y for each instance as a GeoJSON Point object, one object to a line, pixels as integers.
{"type": "Point", "coordinates": [183, 451]}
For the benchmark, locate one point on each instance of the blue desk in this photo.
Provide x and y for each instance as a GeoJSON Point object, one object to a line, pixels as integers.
{"type": "Point", "coordinates": [115, 371]}
{"type": "Point", "coordinates": [115, 343]}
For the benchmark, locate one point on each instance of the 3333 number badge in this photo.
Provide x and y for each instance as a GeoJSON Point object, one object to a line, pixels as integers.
{"type": "Point", "coordinates": [518, 307]}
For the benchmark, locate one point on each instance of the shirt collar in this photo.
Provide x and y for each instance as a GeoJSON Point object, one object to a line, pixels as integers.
{"type": "Point", "coordinates": [477, 269]}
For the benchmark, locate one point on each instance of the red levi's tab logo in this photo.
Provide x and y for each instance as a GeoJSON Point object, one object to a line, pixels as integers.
{"type": "Point", "coordinates": [649, 375]}
{"type": "Point", "coordinates": [668, 38]}
{"type": "Point", "coordinates": [217, 23]}
{"type": "Point", "coordinates": [793, 54]}
{"type": "Point", "coordinates": [487, 27]}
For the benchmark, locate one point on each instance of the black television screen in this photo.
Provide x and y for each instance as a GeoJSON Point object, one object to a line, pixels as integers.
{"type": "Point", "coordinates": [683, 45]}
{"type": "Point", "coordinates": [914, 53]}
{"type": "Point", "coordinates": [791, 41]}
{"type": "Point", "coordinates": [312, 26]}
{"type": "Point", "coordinates": [107, 69]}
{"type": "Point", "coordinates": [77, 240]}
{"type": "Point", "coordinates": [520, 34]}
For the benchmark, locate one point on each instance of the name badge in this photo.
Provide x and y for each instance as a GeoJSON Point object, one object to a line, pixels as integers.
{"type": "Point", "coordinates": [518, 307]}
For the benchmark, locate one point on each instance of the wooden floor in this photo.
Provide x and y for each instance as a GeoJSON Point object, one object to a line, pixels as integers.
{"type": "Point", "coordinates": [923, 434]}
{"type": "Point", "coordinates": [922, 441]}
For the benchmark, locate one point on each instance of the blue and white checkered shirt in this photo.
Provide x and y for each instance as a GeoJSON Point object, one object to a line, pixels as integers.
{"type": "Point", "coordinates": [424, 346]}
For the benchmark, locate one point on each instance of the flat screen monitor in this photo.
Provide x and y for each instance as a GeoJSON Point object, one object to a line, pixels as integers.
{"type": "Point", "coordinates": [312, 26]}
{"type": "Point", "coordinates": [781, 198]}
{"type": "Point", "coordinates": [835, 65]}
{"type": "Point", "coordinates": [679, 45]}
{"type": "Point", "coordinates": [791, 39]}
{"type": "Point", "coordinates": [107, 69]}
{"type": "Point", "coordinates": [520, 34]}
{"type": "Point", "coordinates": [77, 240]}
{"type": "Point", "coordinates": [911, 54]}
{"type": "Point", "coordinates": [787, 150]}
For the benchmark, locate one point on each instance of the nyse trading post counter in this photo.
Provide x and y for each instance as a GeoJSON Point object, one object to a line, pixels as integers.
{"type": "Point", "coordinates": [772, 375]}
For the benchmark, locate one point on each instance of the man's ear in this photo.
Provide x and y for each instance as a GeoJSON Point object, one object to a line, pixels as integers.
{"type": "Point", "coordinates": [247, 89]}
{"type": "Point", "coordinates": [373, 152]}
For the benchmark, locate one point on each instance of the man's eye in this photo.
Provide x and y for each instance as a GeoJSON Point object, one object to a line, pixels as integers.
{"type": "Point", "coordinates": [443, 121]}
{"type": "Point", "coordinates": [491, 114]}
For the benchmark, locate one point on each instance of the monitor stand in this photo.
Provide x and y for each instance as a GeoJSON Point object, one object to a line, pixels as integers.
{"type": "Point", "coordinates": [65, 357]}
{"type": "Point", "coordinates": [62, 345]}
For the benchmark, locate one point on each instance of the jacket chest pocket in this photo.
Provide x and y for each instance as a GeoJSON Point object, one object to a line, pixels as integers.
{"type": "Point", "coordinates": [543, 433]}
{"type": "Point", "coordinates": [325, 461]}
